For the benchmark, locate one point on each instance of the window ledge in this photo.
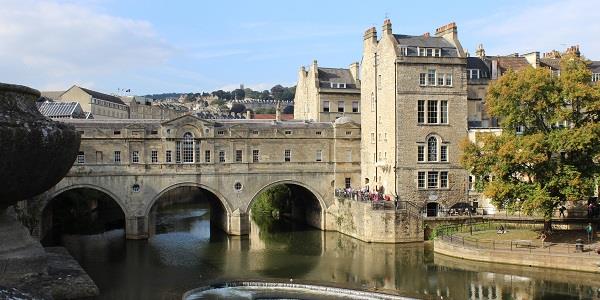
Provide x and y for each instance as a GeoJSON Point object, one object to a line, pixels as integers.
{"type": "Point", "coordinates": [433, 124]}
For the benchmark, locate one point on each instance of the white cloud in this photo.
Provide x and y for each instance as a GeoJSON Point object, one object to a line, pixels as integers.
{"type": "Point", "coordinates": [541, 27]}
{"type": "Point", "coordinates": [51, 45]}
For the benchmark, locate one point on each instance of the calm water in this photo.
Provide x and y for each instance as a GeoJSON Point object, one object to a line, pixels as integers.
{"type": "Point", "coordinates": [185, 254]}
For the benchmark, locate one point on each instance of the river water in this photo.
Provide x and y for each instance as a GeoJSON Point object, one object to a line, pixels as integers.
{"type": "Point", "coordinates": [185, 254]}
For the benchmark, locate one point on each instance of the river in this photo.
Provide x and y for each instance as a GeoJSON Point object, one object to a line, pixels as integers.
{"type": "Point", "coordinates": [186, 253]}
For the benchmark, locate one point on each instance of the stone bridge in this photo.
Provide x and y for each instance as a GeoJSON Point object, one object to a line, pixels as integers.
{"type": "Point", "coordinates": [137, 162]}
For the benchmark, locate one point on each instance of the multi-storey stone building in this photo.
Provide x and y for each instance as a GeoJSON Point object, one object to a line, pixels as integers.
{"type": "Point", "coordinates": [414, 95]}
{"type": "Point", "coordinates": [100, 105]}
{"type": "Point", "coordinates": [325, 94]}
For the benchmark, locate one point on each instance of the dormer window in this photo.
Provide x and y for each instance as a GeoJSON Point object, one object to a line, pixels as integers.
{"type": "Point", "coordinates": [595, 77]}
{"type": "Point", "coordinates": [433, 52]}
{"type": "Point", "coordinates": [403, 50]}
{"type": "Point", "coordinates": [337, 85]}
{"type": "Point", "coordinates": [473, 73]}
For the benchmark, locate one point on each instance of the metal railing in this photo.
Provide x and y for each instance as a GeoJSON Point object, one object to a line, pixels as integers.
{"type": "Point", "coordinates": [452, 234]}
{"type": "Point", "coordinates": [377, 200]}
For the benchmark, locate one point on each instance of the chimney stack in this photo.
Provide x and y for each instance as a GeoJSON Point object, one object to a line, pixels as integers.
{"type": "Point", "coordinates": [480, 52]}
{"type": "Point", "coordinates": [370, 34]}
{"type": "Point", "coordinates": [278, 111]}
{"type": "Point", "coordinates": [387, 27]}
{"type": "Point", "coordinates": [354, 70]}
{"type": "Point", "coordinates": [450, 33]}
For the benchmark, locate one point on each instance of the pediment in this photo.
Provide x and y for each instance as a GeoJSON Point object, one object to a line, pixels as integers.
{"type": "Point", "coordinates": [188, 119]}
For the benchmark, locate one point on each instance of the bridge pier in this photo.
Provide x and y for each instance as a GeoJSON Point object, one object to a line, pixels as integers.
{"type": "Point", "coordinates": [136, 227]}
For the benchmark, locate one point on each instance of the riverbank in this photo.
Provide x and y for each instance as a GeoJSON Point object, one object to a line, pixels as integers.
{"type": "Point", "coordinates": [521, 252]}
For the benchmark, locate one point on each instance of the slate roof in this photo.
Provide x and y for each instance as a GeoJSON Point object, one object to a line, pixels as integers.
{"type": "Point", "coordinates": [61, 109]}
{"type": "Point", "coordinates": [595, 66]}
{"type": "Point", "coordinates": [422, 41]}
{"type": "Point", "coordinates": [103, 96]}
{"type": "Point", "coordinates": [515, 63]}
{"type": "Point", "coordinates": [336, 75]}
{"type": "Point", "coordinates": [553, 63]}
{"type": "Point", "coordinates": [478, 63]}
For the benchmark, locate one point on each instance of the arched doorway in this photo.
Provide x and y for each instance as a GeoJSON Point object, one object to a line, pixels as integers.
{"type": "Point", "coordinates": [187, 208]}
{"type": "Point", "coordinates": [432, 209]}
{"type": "Point", "coordinates": [80, 211]}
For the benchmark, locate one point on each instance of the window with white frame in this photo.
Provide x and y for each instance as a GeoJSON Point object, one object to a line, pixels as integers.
{"type": "Point", "coordinates": [423, 79]}
{"type": "Point", "coordinates": [326, 106]}
{"type": "Point", "coordinates": [471, 183]}
{"type": "Point", "coordinates": [443, 179]}
{"type": "Point", "coordinates": [168, 156]}
{"type": "Point", "coordinates": [436, 112]}
{"type": "Point", "coordinates": [238, 156]}
{"type": "Point", "coordinates": [444, 153]}
{"type": "Point", "coordinates": [432, 180]}
{"type": "Point", "coordinates": [319, 155]}
{"type": "Point", "coordinates": [221, 156]}
{"type": "Point", "coordinates": [255, 155]}
{"type": "Point", "coordinates": [431, 77]}
{"type": "Point", "coordinates": [340, 106]}
{"type": "Point", "coordinates": [473, 73]}
{"type": "Point", "coordinates": [178, 152]}
{"type": "Point", "coordinates": [117, 157]}
{"type": "Point", "coordinates": [421, 180]}
{"type": "Point", "coordinates": [154, 156]}
{"type": "Point", "coordinates": [135, 157]}
{"type": "Point", "coordinates": [432, 144]}
{"type": "Point", "coordinates": [287, 155]}
{"type": "Point", "coordinates": [403, 50]}
{"type": "Point", "coordinates": [448, 78]}
{"type": "Point", "coordinates": [188, 148]}
{"type": "Point", "coordinates": [420, 153]}
{"type": "Point", "coordinates": [81, 157]}
{"type": "Point", "coordinates": [422, 51]}
{"type": "Point", "coordinates": [595, 77]}
{"type": "Point", "coordinates": [354, 106]}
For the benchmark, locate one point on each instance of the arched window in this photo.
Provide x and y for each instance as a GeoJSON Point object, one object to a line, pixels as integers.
{"type": "Point", "coordinates": [188, 148]}
{"type": "Point", "coordinates": [432, 149]}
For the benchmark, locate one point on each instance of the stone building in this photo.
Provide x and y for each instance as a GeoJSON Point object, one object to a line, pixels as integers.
{"type": "Point", "coordinates": [102, 106]}
{"type": "Point", "coordinates": [414, 151]}
{"type": "Point", "coordinates": [145, 108]}
{"type": "Point", "coordinates": [325, 94]}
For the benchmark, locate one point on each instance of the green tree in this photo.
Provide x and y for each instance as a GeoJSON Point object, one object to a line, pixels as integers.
{"type": "Point", "coordinates": [238, 108]}
{"type": "Point", "coordinates": [239, 94]}
{"type": "Point", "coordinates": [550, 143]}
{"type": "Point", "coordinates": [277, 92]}
{"type": "Point", "coordinates": [288, 109]}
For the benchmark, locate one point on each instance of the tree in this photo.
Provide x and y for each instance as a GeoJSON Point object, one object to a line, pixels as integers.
{"type": "Point", "coordinates": [549, 147]}
{"type": "Point", "coordinates": [288, 93]}
{"type": "Point", "coordinates": [277, 92]}
{"type": "Point", "coordinates": [265, 95]}
{"type": "Point", "coordinates": [239, 94]}
{"type": "Point", "coordinates": [238, 108]}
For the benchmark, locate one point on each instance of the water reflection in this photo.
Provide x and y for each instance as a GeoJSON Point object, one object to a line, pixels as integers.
{"type": "Point", "coordinates": [185, 253]}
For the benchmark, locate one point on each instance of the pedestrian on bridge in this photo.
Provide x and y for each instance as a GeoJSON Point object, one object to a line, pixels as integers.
{"type": "Point", "coordinates": [590, 231]}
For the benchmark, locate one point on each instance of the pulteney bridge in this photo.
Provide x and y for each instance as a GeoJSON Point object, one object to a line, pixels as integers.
{"type": "Point", "coordinates": [136, 162]}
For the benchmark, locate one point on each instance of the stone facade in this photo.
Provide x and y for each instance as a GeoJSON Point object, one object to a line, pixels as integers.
{"type": "Point", "coordinates": [325, 94]}
{"type": "Point", "coordinates": [135, 162]}
{"type": "Point", "coordinates": [144, 108]}
{"type": "Point", "coordinates": [427, 90]}
{"type": "Point", "coordinates": [102, 106]}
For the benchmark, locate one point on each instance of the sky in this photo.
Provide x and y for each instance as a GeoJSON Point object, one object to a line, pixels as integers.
{"type": "Point", "coordinates": [193, 46]}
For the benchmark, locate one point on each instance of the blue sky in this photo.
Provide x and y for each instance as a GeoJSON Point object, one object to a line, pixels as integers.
{"type": "Point", "coordinates": [192, 46]}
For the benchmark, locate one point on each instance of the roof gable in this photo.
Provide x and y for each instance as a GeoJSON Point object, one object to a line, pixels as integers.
{"type": "Point", "coordinates": [103, 96]}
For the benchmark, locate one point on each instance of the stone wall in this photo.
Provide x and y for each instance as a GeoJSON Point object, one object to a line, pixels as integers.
{"type": "Point", "coordinates": [360, 221]}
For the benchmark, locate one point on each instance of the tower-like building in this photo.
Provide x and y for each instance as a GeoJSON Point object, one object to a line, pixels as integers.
{"type": "Point", "coordinates": [414, 116]}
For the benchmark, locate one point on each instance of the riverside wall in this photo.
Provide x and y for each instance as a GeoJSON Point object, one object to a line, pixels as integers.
{"type": "Point", "coordinates": [359, 220]}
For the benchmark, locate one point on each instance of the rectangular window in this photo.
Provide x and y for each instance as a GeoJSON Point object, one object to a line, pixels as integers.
{"type": "Point", "coordinates": [117, 132]}
{"type": "Point", "coordinates": [318, 132]}
{"type": "Point", "coordinates": [471, 183]}
{"type": "Point", "coordinates": [443, 179]}
{"type": "Point", "coordinates": [221, 156]}
{"type": "Point", "coordinates": [443, 112]}
{"type": "Point", "coordinates": [347, 182]}
{"type": "Point", "coordinates": [404, 51]}
{"type": "Point", "coordinates": [255, 132]}
{"type": "Point", "coordinates": [81, 157]}
{"type": "Point", "coordinates": [319, 155]}
{"type": "Point", "coordinates": [168, 156]}
{"type": "Point", "coordinates": [326, 106]}
{"type": "Point", "coordinates": [449, 79]}
{"type": "Point", "coordinates": [432, 180]}
{"type": "Point", "coordinates": [207, 156]}
{"type": "Point", "coordinates": [238, 155]}
{"type": "Point", "coordinates": [422, 51]}
{"type": "Point", "coordinates": [197, 151]}
{"type": "Point", "coordinates": [354, 106]}
{"type": "Point", "coordinates": [117, 157]}
{"type": "Point", "coordinates": [440, 80]}
{"type": "Point", "coordinates": [135, 157]}
{"type": "Point", "coordinates": [178, 152]}
{"type": "Point", "coordinates": [595, 77]}
{"type": "Point", "coordinates": [372, 137]}
{"type": "Point", "coordinates": [288, 132]}
{"type": "Point", "coordinates": [255, 156]}
{"type": "Point", "coordinates": [420, 153]}
{"type": "Point", "coordinates": [431, 77]}
{"type": "Point", "coordinates": [438, 52]}
{"type": "Point", "coordinates": [287, 155]}
{"type": "Point", "coordinates": [421, 111]}
{"type": "Point", "coordinates": [430, 52]}
{"type": "Point", "coordinates": [220, 132]}
{"type": "Point", "coordinates": [340, 106]}
{"type": "Point", "coordinates": [444, 153]}
{"type": "Point", "coordinates": [421, 180]}
{"type": "Point", "coordinates": [154, 156]}
{"type": "Point", "coordinates": [432, 113]}
{"type": "Point", "coordinates": [423, 79]}
{"type": "Point", "coordinates": [473, 73]}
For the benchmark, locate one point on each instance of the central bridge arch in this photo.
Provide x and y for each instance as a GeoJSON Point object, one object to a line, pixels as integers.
{"type": "Point", "coordinates": [314, 216]}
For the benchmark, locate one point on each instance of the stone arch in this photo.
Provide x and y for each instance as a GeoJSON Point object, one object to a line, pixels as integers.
{"type": "Point", "coordinates": [54, 194]}
{"type": "Point", "coordinates": [221, 198]}
{"type": "Point", "coordinates": [317, 195]}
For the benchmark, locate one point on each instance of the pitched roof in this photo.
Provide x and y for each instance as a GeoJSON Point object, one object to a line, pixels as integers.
{"type": "Point", "coordinates": [515, 63]}
{"type": "Point", "coordinates": [103, 96]}
{"type": "Point", "coordinates": [423, 41]}
{"type": "Point", "coordinates": [553, 63]}
{"type": "Point", "coordinates": [595, 66]}
{"type": "Point", "coordinates": [480, 64]}
{"type": "Point", "coordinates": [61, 109]}
{"type": "Point", "coordinates": [336, 75]}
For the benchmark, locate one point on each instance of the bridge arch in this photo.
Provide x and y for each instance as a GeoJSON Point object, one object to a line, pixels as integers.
{"type": "Point", "coordinates": [322, 204]}
{"type": "Point", "coordinates": [219, 196]}
{"type": "Point", "coordinates": [59, 191]}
